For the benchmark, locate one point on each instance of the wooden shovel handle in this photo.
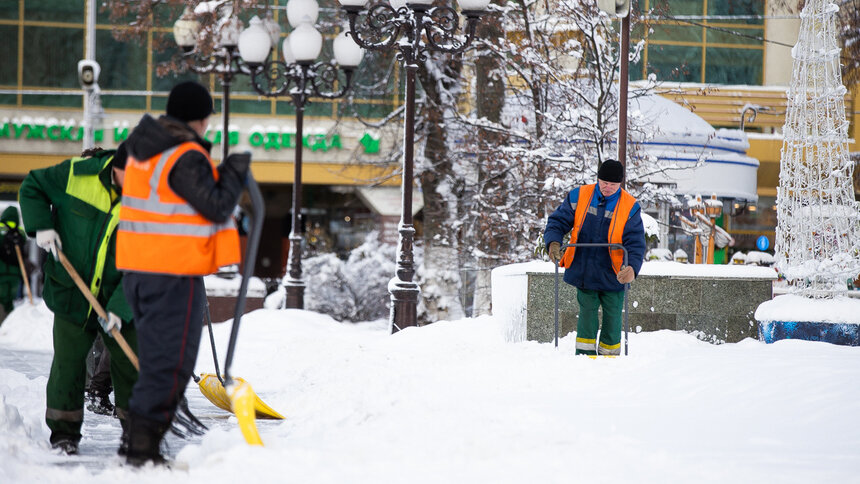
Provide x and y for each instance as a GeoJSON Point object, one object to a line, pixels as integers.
{"type": "Point", "coordinates": [98, 308]}
{"type": "Point", "coordinates": [24, 273]}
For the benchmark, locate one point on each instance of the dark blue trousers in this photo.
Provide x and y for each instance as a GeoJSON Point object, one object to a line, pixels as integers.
{"type": "Point", "coordinates": [168, 316]}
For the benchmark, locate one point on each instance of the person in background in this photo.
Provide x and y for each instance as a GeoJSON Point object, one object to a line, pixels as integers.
{"type": "Point", "coordinates": [175, 227]}
{"type": "Point", "coordinates": [599, 213]}
{"type": "Point", "coordinates": [74, 207]}
{"type": "Point", "coordinates": [11, 237]}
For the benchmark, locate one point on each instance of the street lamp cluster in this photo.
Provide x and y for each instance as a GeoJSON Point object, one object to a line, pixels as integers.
{"type": "Point", "coordinates": [413, 27]}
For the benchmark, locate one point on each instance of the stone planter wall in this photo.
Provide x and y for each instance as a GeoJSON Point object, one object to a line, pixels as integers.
{"type": "Point", "coordinates": [717, 303]}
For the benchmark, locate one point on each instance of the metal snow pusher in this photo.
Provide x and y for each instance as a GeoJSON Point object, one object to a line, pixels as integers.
{"type": "Point", "coordinates": [232, 393]}
{"type": "Point", "coordinates": [626, 288]}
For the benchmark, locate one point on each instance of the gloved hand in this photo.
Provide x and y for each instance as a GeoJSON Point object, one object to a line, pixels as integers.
{"type": "Point", "coordinates": [49, 240]}
{"type": "Point", "coordinates": [113, 321]}
{"type": "Point", "coordinates": [626, 275]}
{"type": "Point", "coordinates": [16, 237]}
{"type": "Point", "coordinates": [554, 251]}
{"type": "Point", "coordinates": [240, 163]}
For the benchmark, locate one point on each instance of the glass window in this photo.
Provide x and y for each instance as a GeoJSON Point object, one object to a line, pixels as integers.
{"type": "Point", "coordinates": [9, 9]}
{"type": "Point", "coordinates": [736, 7]}
{"type": "Point", "coordinates": [9, 67]}
{"type": "Point", "coordinates": [68, 11]}
{"type": "Point", "coordinates": [249, 106]}
{"type": "Point", "coordinates": [52, 56]}
{"type": "Point", "coordinates": [169, 51]}
{"type": "Point", "coordinates": [158, 105]}
{"type": "Point", "coordinates": [675, 63]}
{"type": "Point", "coordinates": [123, 63]}
{"type": "Point", "coordinates": [57, 101]}
{"type": "Point", "coordinates": [734, 66]}
{"type": "Point", "coordinates": [323, 109]}
{"type": "Point", "coordinates": [123, 102]}
{"type": "Point", "coordinates": [367, 110]}
{"type": "Point", "coordinates": [676, 32]}
{"type": "Point", "coordinates": [740, 36]}
{"type": "Point", "coordinates": [8, 100]}
{"type": "Point", "coordinates": [679, 7]}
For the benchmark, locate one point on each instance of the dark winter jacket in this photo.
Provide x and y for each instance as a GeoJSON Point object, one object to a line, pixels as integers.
{"type": "Point", "coordinates": [592, 267]}
{"type": "Point", "coordinates": [79, 208]}
{"type": "Point", "coordinates": [191, 177]}
{"type": "Point", "coordinates": [9, 221]}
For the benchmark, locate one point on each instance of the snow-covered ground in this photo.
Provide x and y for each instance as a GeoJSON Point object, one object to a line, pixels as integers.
{"type": "Point", "coordinates": [454, 402]}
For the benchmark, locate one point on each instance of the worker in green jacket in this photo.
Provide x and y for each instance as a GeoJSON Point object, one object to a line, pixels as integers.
{"type": "Point", "coordinates": [74, 207]}
{"type": "Point", "coordinates": [11, 236]}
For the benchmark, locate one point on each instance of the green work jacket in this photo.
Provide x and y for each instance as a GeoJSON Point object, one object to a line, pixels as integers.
{"type": "Point", "coordinates": [76, 198]}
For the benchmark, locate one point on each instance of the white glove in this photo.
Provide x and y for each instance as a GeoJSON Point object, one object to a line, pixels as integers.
{"type": "Point", "coordinates": [49, 240]}
{"type": "Point", "coordinates": [113, 321]}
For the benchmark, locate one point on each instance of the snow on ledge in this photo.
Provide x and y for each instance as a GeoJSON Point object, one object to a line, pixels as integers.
{"type": "Point", "coordinates": [794, 308]}
{"type": "Point", "coordinates": [657, 268]}
{"type": "Point", "coordinates": [218, 286]}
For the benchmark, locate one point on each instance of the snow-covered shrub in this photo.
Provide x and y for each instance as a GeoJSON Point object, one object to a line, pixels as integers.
{"type": "Point", "coordinates": [355, 289]}
{"type": "Point", "coordinates": [659, 254]}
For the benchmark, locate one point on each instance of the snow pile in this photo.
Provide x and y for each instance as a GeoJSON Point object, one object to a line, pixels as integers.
{"type": "Point", "coordinates": [28, 327]}
{"type": "Point", "coordinates": [795, 308]}
{"type": "Point", "coordinates": [453, 402]}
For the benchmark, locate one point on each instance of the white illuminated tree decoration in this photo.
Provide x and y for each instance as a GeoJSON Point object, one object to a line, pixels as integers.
{"type": "Point", "coordinates": [818, 227]}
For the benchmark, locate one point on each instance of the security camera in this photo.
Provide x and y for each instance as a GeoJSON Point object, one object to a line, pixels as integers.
{"type": "Point", "coordinates": [88, 72]}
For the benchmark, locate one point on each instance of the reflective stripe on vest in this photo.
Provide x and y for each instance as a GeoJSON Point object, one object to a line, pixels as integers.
{"type": "Point", "coordinates": [90, 190]}
{"type": "Point", "coordinates": [616, 226]}
{"type": "Point", "coordinates": [159, 232]}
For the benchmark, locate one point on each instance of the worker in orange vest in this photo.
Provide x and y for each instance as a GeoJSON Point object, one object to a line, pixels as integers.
{"type": "Point", "coordinates": [599, 213]}
{"type": "Point", "coordinates": [175, 227]}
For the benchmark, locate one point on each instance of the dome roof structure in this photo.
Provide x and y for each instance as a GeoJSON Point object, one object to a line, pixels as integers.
{"type": "Point", "coordinates": [700, 159]}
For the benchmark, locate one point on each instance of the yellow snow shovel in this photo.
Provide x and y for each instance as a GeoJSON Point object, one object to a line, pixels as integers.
{"type": "Point", "coordinates": [232, 393]}
{"type": "Point", "coordinates": [212, 385]}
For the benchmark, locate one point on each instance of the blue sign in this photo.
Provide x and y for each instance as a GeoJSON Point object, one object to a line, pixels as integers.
{"type": "Point", "coordinates": [762, 243]}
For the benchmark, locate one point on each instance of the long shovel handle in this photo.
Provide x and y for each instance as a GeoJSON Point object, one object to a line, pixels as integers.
{"type": "Point", "coordinates": [24, 273]}
{"type": "Point", "coordinates": [129, 353]}
{"type": "Point", "coordinates": [258, 204]}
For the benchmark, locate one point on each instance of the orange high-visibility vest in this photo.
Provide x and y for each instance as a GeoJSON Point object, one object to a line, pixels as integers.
{"type": "Point", "coordinates": [616, 227]}
{"type": "Point", "coordinates": [159, 232]}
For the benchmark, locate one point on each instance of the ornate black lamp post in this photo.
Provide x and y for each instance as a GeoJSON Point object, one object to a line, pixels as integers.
{"type": "Point", "coordinates": [298, 76]}
{"type": "Point", "coordinates": [415, 28]}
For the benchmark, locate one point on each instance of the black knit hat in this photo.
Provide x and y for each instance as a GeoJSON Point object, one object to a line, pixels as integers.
{"type": "Point", "coordinates": [189, 101]}
{"type": "Point", "coordinates": [611, 171]}
{"type": "Point", "coordinates": [120, 157]}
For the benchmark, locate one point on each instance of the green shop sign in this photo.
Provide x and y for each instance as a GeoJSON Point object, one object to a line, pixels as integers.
{"type": "Point", "coordinates": [267, 140]}
{"type": "Point", "coordinates": [47, 132]}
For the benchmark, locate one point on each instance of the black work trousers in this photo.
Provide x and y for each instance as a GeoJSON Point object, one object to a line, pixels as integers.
{"type": "Point", "coordinates": [168, 316]}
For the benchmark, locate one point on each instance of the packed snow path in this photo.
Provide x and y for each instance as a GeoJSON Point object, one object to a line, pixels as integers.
{"type": "Point", "coordinates": [454, 402]}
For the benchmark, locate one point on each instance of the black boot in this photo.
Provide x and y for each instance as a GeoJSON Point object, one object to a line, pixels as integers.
{"type": "Point", "coordinates": [144, 441]}
{"type": "Point", "coordinates": [123, 440]}
{"type": "Point", "coordinates": [99, 402]}
{"type": "Point", "coordinates": [68, 444]}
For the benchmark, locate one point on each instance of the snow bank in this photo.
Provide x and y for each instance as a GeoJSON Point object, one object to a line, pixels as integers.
{"type": "Point", "coordinates": [28, 327]}
{"type": "Point", "coordinates": [794, 308]}
{"type": "Point", "coordinates": [510, 288]}
{"type": "Point", "coordinates": [677, 269]}
{"type": "Point", "coordinates": [221, 286]}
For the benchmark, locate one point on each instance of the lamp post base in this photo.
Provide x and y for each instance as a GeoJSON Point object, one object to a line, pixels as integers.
{"type": "Point", "coordinates": [404, 304]}
{"type": "Point", "coordinates": [295, 294]}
